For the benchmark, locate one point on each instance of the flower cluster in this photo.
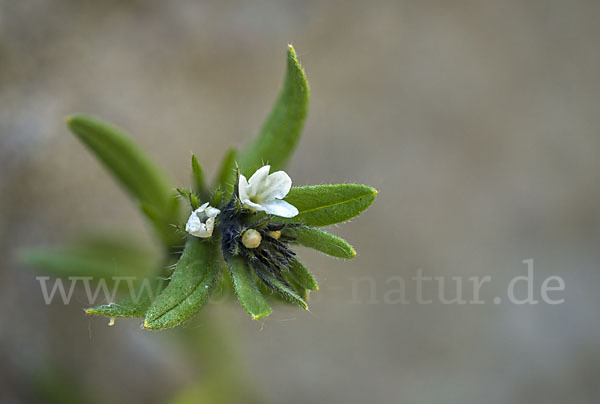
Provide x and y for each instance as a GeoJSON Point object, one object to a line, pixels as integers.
{"type": "Point", "coordinates": [260, 242]}
{"type": "Point", "coordinates": [263, 192]}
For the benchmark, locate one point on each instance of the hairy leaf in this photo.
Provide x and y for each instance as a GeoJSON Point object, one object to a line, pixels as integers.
{"type": "Point", "coordinates": [199, 183]}
{"type": "Point", "coordinates": [134, 304]}
{"type": "Point", "coordinates": [273, 295]}
{"type": "Point", "coordinates": [125, 308]}
{"type": "Point", "coordinates": [245, 288]}
{"type": "Point", "coordinates": [164, 226]}
{"type": "Point", "coordinates": [226, 175]}
{"type": "Point", "coordinates": [128, 164]}
{"type": "Point", "coordinates": [322, 241]}
{"type": "Point", "coordinates": [303, 276]}
{"type": "Point", "coordinates": [281, 131]}
{"type": "Point", "coordinates": [98, 257]}
{"type": "Point", "coordinates": [124, 160]}
{"type": "Point", "coordinates": [196, 274]}
{"type": "Point", "coordinates": [300, 290]}
{"type": "Point", "coordinates": [286, 291]}
{"type": "Point", "coordinates": [322, 205]}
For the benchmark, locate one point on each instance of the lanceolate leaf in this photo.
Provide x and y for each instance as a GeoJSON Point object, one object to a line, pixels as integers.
{"type": "Point", "coordinates": [245, 288]}
{"type": "Point", "coordinates": [303, 276]}
{"type": "Point", "coordinates": [134, 170]}
{"type": "Point", "coordinates": [281, 131]}
{"type": "Point", "coordinates": [286, 291]}
{"type": "Point", "coordinates": [226, 175]}
{"type": "Point", "coordinates": [123, 308]}
{"type": "Point", "coordinates": [163, 225]}
{"type": "Point", "coordinates": [300, 290]}
{"type": "Point", "coordinates": [124, 160]}
{"type": "Point", "coordinates": [134, 304]}
{"type": "Point", "coordinates": [322, 205]}
{"type": "Point", "coordinates": [199, 183]}
{"type": "Point", "coordinates": [191, 285]}
{"type": "Point", "coordinates": [322, 241]}
{"type": "Point", "coordinates": [100, 258]}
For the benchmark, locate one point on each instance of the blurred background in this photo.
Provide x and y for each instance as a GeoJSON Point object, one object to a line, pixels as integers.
{"type": "Point", "coordinates": [477, 121]}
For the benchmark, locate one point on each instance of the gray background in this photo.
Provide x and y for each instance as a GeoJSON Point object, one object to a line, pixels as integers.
{"type": "Point", "coordinates": [476, 120]}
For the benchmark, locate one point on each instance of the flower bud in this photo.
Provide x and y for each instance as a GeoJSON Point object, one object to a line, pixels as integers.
{"type": "Point", "coordinates": [274, 234]}
{"type": "Point", "coordinates": [251, 238]}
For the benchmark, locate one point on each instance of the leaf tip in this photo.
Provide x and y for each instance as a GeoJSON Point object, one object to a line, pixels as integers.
{"type": "Point", "coordinates": [73, 120]}
{"type": "Point", "coordinates": [95, 311]}
{"type": "Point", "coordinates": [353, 253]}
{"type": "Point", "coordinates": [261, 315]}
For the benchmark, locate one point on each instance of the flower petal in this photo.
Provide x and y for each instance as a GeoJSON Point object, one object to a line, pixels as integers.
{"type": "Point", "coordinates": [210, 225]}
{"type": "Point", "coordinates": [278, 186]}
{"type": "Point", "coordinates": [258, 180]}
{"type": "Point", "coordinates": [243, 188]}
{"type": "Point", "coordinates": [281, 208]}
{"type": "Point", "coordinates": [252, 206]}
{"type": "Point", "coordinates": [212, 212]}
{"type": "Point", "coordinates": [193, 224]}
{"type": "Point", "coordinates": [203, 232]}
{"type": "Point", "coordinates": [196, 227]}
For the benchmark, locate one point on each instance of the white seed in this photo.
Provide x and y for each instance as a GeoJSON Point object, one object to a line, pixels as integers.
{"type": "Point", "coordinates": [251, 238]}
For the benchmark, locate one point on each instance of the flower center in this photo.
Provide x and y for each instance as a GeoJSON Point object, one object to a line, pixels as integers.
{"type": "Point", "coordinates": [202, 216]}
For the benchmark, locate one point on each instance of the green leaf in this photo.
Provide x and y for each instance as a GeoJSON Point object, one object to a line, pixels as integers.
{"type": "Point", "coordinates": [284, 290]}
{"type": "Point", "coordinates": [130, 166]}
{"type": "Point", "coordinates": [98, 257]}
{"type": "Point", "coordinates": [125, 308]}
{"type": "Point", "coordinates": [322, 205]}
{"type": "Point", "coordinates": [217, 197]}
{"type": "Point", "coordinates": [300, 290]}
{"type": "Point", "coordinates": [302, 276]}
{"type": "Point", "coordinates": [226, 175]}
{"type": "Point", "coordinates": [245, 288]}
{"type": "Point", "coordinates": [271, 293]}
{"type": "Point", "coordinates": [282, 129]}
{"type": "Point", "coordinates": [196, 274]}
{"type": "Point", "coordinates": [124, 160]}
{"type": "Point", "coordinates": [199, 183]}
{"type": "Point", "coordinates": [165, 228]}
{"type": "Point", "coordinates": [321, 241]}
{"type": "Point", "coordinates": [134, 304]}
{"type": "Point", "coordinates": [190, 196]}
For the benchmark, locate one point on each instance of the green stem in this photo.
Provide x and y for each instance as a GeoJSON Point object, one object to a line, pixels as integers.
{"type": "Point", "coordinates": [213, 349]}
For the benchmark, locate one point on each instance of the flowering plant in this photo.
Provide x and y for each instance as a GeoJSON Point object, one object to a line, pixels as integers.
{"type": "Point", "coordinates": [240, 232]}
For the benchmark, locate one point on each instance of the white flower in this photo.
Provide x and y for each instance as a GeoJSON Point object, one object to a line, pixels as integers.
{"type": "Point", "coordinates": [265, 192]}
{"type": "Point", "coordinates": [202, 221]}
